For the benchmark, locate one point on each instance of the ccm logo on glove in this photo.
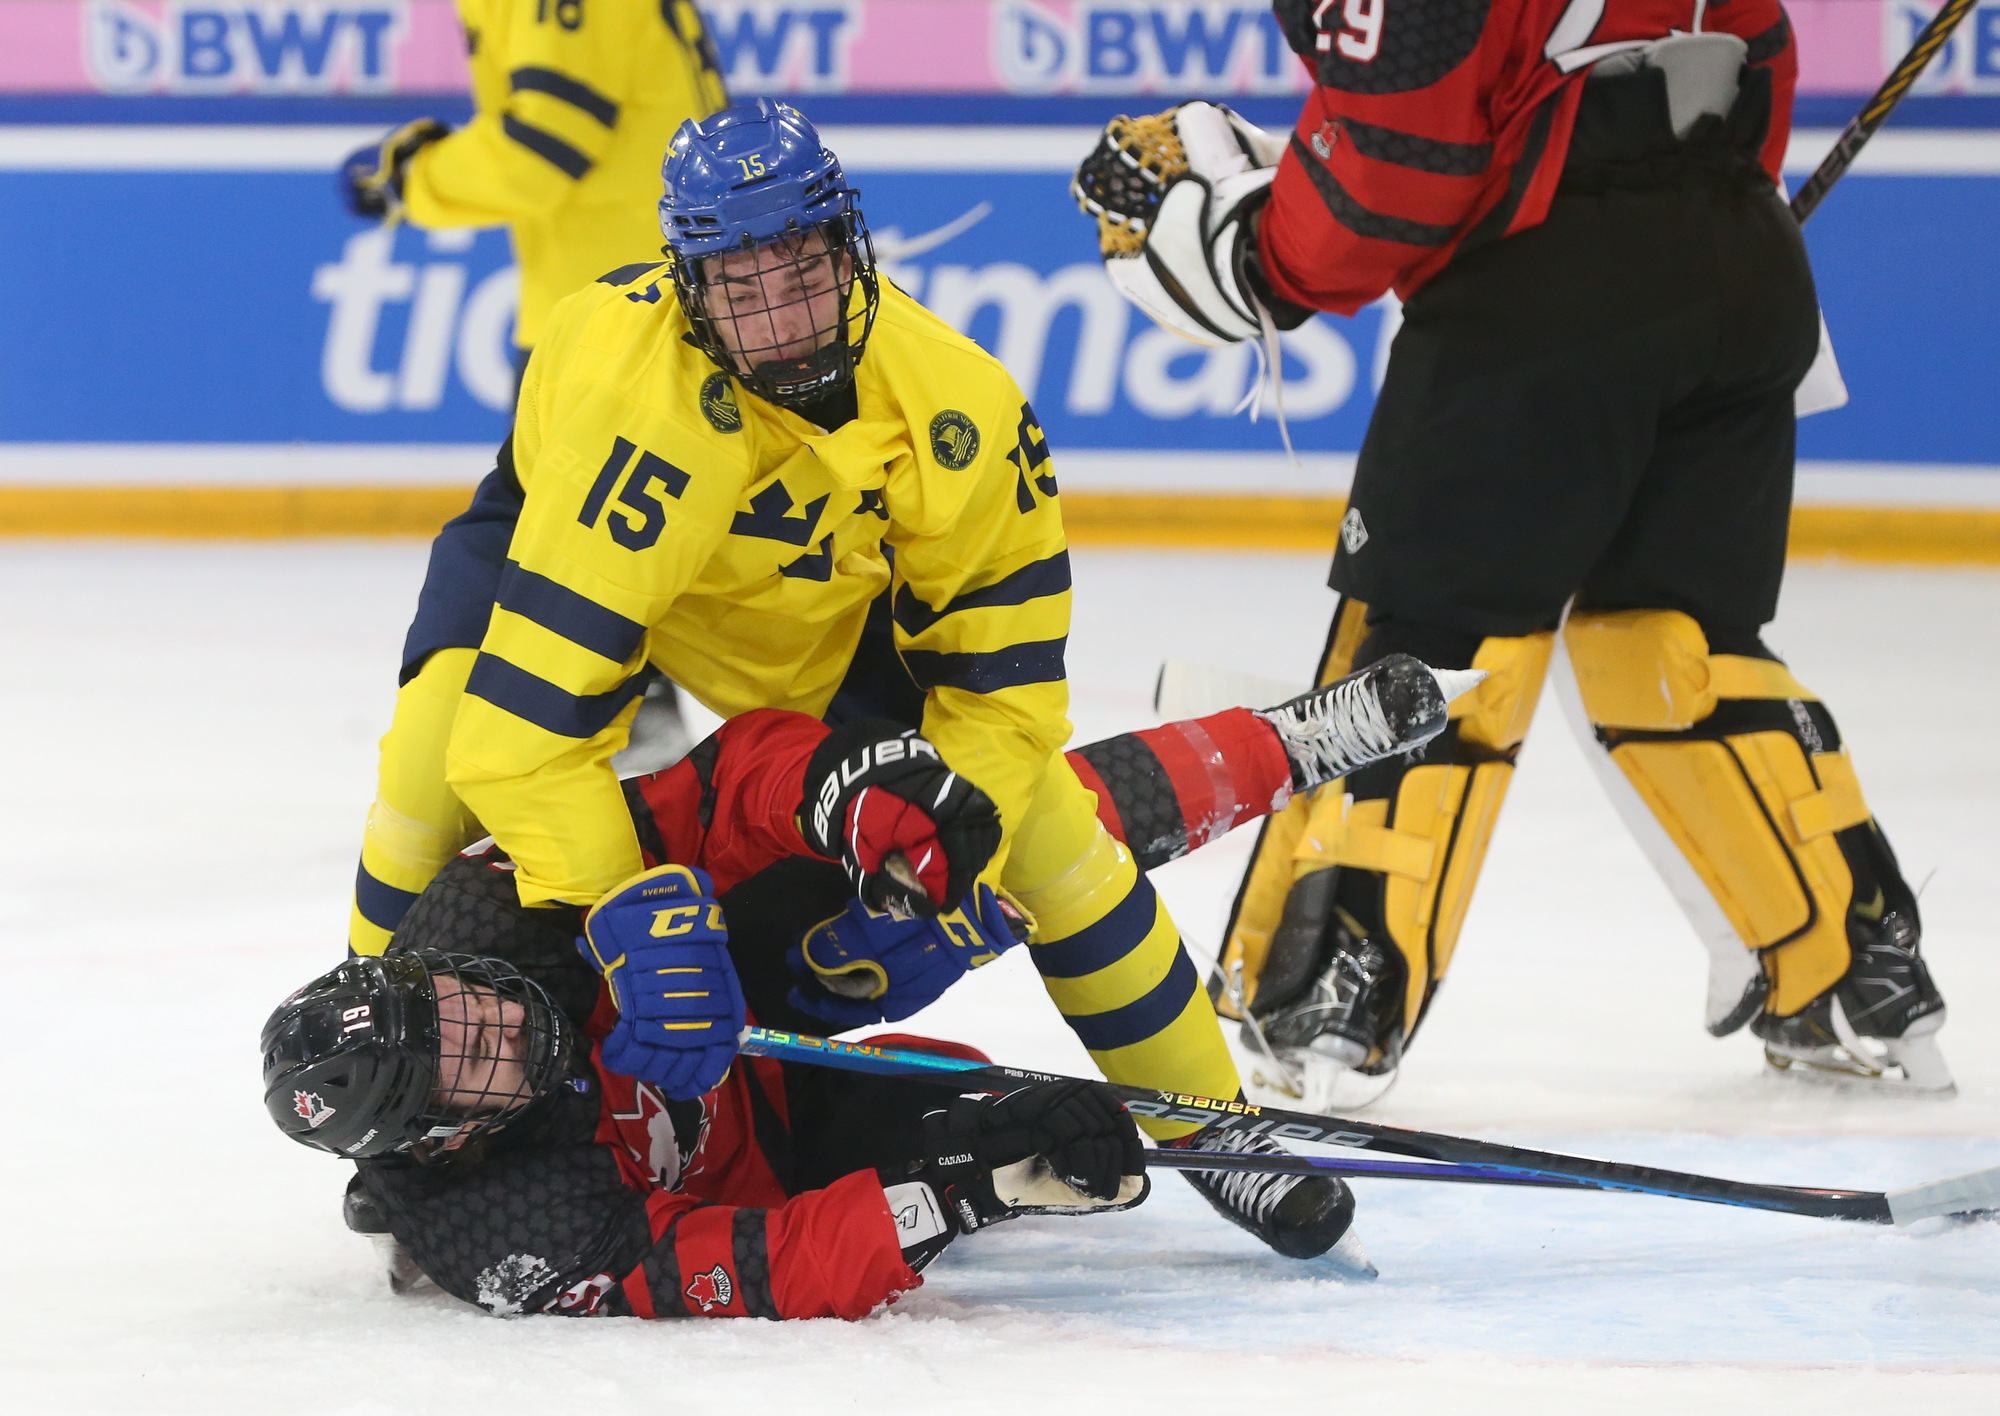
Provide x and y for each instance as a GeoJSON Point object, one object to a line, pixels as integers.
{"type": "Point", "coordinates": [661, 943]}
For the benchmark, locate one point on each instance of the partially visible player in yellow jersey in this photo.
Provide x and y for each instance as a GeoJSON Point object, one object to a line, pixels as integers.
{"type": "Point", "coordinates": [723, 460]}
{"type": "Point", "coordinates": [575, 102]}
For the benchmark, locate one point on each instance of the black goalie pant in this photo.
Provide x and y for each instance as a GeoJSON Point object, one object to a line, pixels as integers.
{"type": "Point", "coordinates": [1599, 407]}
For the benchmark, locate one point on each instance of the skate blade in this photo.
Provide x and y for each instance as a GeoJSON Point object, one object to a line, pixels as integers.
{"type": "Point", "coordinates": [1836, 1067]}
{"type": "Point", "coordinates": [1453, 682]}
{"type": "Point", "coordinates": [1322, 1086]}
{"type": "Point", "coordinates": [401, 1270]}
{"type": "Point", "coordinates": [1349, 1260]}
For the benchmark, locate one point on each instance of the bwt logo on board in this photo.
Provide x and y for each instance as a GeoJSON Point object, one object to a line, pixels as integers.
{"type": "Point", "coordinates": [764, 47]}
{"type": "Point", "coordinates": [269, 48]}
{"type": "Point", "coordinates": [1194, 46]}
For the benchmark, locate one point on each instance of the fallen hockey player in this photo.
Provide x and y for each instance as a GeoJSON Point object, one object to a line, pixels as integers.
{"type": "Point", "coordinates": [520, 1171]}
{"type": "Point", "coordinates": [466, 1029]}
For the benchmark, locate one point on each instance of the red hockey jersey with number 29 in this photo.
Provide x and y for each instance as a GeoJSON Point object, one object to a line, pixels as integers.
{"type": "Point", "coordinates": [1439, 125]}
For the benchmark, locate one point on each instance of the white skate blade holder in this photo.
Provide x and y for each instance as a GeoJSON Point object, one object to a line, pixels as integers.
{"type": "Point", "coordinates": [1960, 1195]}
{"type": "Point", "coordinates": [1187, 689]}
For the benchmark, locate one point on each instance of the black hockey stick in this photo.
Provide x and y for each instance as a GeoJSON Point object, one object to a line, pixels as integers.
{"type": "Point", "coordinates": [1873, 113]}
{"type": "Point", "coordinates": [1455, 1158]}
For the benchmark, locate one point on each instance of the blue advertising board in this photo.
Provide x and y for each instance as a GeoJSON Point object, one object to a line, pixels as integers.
{"type": "Point", "coordinates": [245, 306]}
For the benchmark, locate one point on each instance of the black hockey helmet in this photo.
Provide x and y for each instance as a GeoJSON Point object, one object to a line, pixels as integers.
{"type": "Point", "coordinates": [354, 1060]}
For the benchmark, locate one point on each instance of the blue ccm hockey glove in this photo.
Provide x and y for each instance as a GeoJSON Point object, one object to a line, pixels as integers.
{"type": "Point", "coordinates": [660, 943]}
{"type": "Point", "coordinates": [861, 967]}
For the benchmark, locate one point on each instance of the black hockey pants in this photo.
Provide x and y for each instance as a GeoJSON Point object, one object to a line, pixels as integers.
{"type": "Point", "coordinates": [1600, 407]}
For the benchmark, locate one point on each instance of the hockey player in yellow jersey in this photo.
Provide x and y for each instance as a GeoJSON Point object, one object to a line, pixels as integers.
{"type": "Point", "coordinates": [575, 101]}
{"type": "Point", "coordinates": [723, 460]}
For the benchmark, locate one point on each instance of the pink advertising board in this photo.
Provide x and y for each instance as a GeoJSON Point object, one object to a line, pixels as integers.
{"type": "Point", "coordinates": [1015, 47]}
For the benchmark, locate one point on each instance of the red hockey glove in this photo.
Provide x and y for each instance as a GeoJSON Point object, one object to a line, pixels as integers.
{"type": "Point", "coordinates": [912, 833]}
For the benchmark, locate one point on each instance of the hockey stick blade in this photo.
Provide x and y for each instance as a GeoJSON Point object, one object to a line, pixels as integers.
{"type": "Point", "coordinates": [1977, 1193]}
{"type": "Point", "coordinates": [1186, 689]}
{"type": "Point", "coordinates": [1505, 1164]}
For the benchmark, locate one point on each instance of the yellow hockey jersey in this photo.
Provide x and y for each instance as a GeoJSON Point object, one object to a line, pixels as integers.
{"type": "Point", "coordinates": [674, 520]}
{"type": "Point", "coordinates": [576, 103]}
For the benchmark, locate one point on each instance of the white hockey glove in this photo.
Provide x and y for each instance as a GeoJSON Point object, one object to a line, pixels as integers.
{"type": "Point", "coordinates": [1173, 194]}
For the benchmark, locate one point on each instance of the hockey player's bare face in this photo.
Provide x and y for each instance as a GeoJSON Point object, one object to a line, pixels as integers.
{"type": "Point", "coordinates": [482, 1049]}
{"type": "Point", "coordinates": [778, 302]}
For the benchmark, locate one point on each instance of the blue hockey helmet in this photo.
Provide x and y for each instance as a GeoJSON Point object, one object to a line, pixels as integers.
{"type": "Point", "coordinates": [769, 246]}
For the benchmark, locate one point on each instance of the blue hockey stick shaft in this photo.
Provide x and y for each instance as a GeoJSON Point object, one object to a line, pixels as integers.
{"type": "Point", "coordinates": [1451, 1157]}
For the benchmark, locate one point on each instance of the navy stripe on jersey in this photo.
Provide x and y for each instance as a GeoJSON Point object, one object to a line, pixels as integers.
{"type": "Point", "coordinates": [1143, 1017]}
{"type": "Point", "coordinates": [1371, 225]}
{"type": "Point", "coordinates": [535, 79]}
{"type": "Point", "coordinates": [548, 706]}
{"type": "Point", "coordinates": [1103, 943]}
{"type": "Point", "coordinates": [1039, 661]}
{"type": "Point", "coordinates": [561, 610]}
{"type": "Point", "coordinates": [1412, 150]}
{"type": "Point", "coordinates": [1031, 582]}
{"type": "Point", "coordinates": [381, 905]}
{"type": "Point", "coordinates": [544, 144]}
{"type": "Point", "coordinates": [626, 274]}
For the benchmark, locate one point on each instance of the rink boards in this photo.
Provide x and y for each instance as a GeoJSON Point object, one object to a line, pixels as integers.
{"type": "Point", "coordinates": [200, 288]}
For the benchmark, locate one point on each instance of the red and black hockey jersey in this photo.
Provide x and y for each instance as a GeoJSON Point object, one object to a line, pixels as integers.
{"type": "Point", "coordinates": [610, 1199]}
{"type": "Point", "coordinates": [1440, 125]}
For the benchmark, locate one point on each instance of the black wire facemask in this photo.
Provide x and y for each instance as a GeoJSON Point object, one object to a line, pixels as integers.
{"type": "Point", "coordinates": [780, 316]}
{"type": "Point", "coordinates": [502, 1044]}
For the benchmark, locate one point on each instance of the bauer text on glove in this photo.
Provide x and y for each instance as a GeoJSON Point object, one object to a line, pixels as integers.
{"type": "Point", "coordinates": [912, 833]}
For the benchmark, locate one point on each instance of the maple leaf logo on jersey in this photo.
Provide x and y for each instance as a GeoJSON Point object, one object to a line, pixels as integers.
{"type": "Point", "coordinates": [315, 1112]}
{"type": "Point", "coordinates": [712, 1289]}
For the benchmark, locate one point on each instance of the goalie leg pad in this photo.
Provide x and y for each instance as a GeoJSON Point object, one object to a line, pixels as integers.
{"type": "Point", "coordinates": [417, 823]}
{"type": "Point", "coordinates": [1749, 784]}
{"type": "Point", "coordinates": [1422, 831]}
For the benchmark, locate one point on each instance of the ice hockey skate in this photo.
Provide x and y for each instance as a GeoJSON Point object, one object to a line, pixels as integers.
{"type": "Point", "coordinates": [1326, 1026]}
{"type": "Point", "coordinates": [1394, 705]}
{"type": "Point", "coordinates": [1299, 1216]}
{"type": "Point", "coordinates": [1877, 1028]}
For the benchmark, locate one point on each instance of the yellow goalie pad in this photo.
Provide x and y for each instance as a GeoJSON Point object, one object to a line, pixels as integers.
{"type": "Point", "coordinates": [1754, 813]}
{"type": "Point", "coordinates": [1429, 858]}
{"type": "Point", "coordinates": [1427, 840]}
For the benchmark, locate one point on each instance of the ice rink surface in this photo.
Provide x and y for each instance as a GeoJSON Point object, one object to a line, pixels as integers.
{"type": "Point", "coordinates": [186, 753]}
